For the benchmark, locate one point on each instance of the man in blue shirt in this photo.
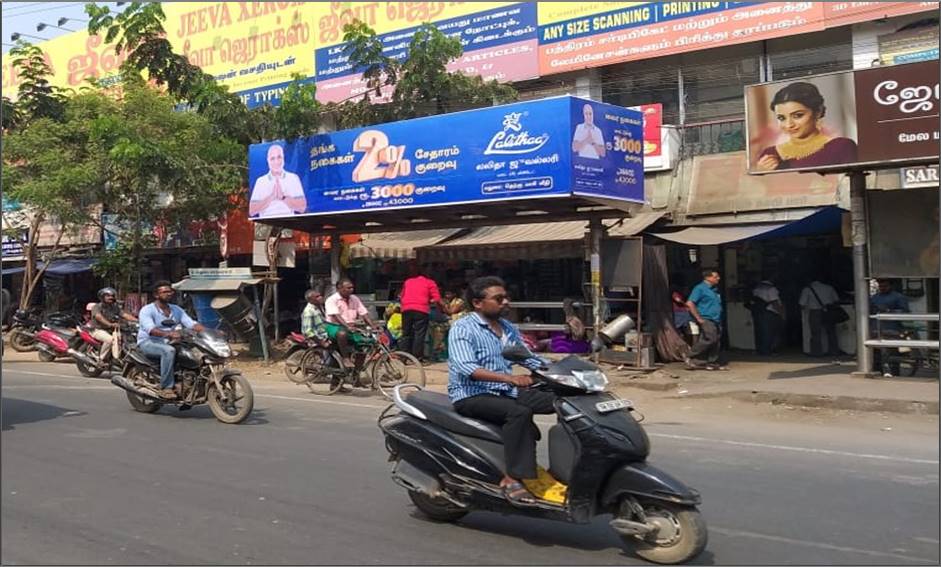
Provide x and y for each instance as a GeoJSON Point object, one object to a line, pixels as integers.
{"type": "Point", "coordinates": [705, 305]}
{"type": "Point", "coordinates": [154, 336]}
{"type": "Point", "coordinates": [481, 383]}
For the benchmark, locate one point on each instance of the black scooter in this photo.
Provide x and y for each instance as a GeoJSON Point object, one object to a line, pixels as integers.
{"type": "Point", "coordinates": [451, 465]}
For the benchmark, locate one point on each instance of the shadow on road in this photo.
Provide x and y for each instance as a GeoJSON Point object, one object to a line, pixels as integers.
{"type": "Point", "coordinates": [203, 412]}
{"type": "Point", "coordinates": [812, 372]}
{"type": "Point", "coordinates": [17, 412]}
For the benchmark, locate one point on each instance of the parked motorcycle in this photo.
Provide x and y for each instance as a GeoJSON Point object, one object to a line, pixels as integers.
{"type": "Point", "coordinates": [201, 371]}
{"type": "Point", "coordinates": [451, 464]}
{"type": "Point", "coordinates": [58, 337]}
{"type": "Point", "coordinates": [22, 334]}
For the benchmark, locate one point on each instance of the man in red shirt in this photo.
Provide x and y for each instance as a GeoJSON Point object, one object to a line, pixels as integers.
{"type": "Point", "coordinates": [418, 293]}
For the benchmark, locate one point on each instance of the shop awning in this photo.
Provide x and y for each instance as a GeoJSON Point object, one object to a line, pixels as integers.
{"type": "Point", "coordinates": [214, 285]}
{"type": "Point", "coordinates": [388, 245]}
{"type": "Point", "coordinates": [62, 267]}
{"type": "Point", "coordinates": [819, 221]}
{"type": "Point", "coordinates": [634, 225]}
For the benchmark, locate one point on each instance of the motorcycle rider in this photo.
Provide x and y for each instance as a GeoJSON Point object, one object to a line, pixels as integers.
{"type": "Point", "coordinates": [481, 383]}
{"type": "Point", "coordinates": [153, 337]}
{"type": "Point", "coordinates": [105, 323]}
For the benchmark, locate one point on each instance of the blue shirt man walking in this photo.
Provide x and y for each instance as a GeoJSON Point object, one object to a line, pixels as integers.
{"type": "Point", "coordinates": [705, 305]}
{"type": "Point", "coordinates": [481, 383]}
{"type": "Point", "coordinates": [154, 335]}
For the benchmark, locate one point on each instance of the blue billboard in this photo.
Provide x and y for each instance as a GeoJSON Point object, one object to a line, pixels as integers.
{"type": "Point", "coordinates": [554, 147]}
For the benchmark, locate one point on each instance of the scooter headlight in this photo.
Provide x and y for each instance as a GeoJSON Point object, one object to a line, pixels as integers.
{"type": "Point", "coordinates": [591, 380]}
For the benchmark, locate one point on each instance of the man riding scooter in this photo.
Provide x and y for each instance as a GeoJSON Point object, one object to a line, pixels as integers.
{"type": "Point", "coordinates": [481, 383]}
{"type": "Point", "coordinates": [158, 321]}
{"type": "Point", "coordinates": [105, 323]}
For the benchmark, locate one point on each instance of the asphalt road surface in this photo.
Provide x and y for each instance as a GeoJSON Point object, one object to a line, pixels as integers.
{"type": "Point", "coordinates": [85, 480]}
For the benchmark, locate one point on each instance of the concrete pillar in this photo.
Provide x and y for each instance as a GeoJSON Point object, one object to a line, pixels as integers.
{"type": "Point", "coordinates": [860, 283]}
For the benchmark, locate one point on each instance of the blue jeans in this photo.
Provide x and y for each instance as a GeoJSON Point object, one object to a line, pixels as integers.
{"type": "Point", "coordinates": [167, 355]}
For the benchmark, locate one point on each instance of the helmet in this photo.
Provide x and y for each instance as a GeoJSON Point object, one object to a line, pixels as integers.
{"type": "Point", "coordinates": [107, 291]}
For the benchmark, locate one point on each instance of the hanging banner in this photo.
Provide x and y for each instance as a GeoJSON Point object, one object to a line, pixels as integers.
{"type": "Point", "coordinates": [840, 121]}
{"type": "Point", "coordinates": [551, 147]}
{"type": "Point", "coordinates": [846, 13]}
{"type": "Point", "coordinates": [499, 39]}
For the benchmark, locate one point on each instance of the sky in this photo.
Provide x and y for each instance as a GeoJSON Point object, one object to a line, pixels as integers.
{"type": "Point", "coordinates": [23, 17]}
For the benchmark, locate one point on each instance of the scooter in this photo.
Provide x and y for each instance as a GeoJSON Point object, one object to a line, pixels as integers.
{"type": "Point", "coordinates": [87, 361]}
{"type": "Point", "coordinates": [451, 465]}
{"type": "Point", "coordinates": [55, 341]}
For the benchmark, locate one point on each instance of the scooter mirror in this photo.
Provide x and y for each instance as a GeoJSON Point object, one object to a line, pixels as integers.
{"type": "Point", "coordinates": [516, 353]}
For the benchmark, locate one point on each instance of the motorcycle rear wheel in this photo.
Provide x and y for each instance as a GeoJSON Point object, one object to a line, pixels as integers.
{"type": "Point", "coordinates": [21, 342]}
{"type": "Point", "coordinates": [323, 371]}
{"type": "Point", "coordinates": [142, 404]}
{"type": "Point", "coordinates": [437, 509]}
{"type": "Point", "coordinates": [292, 366]}
{"type": "Point", "coordinates": [239, 399]}
{"type": "Point", "coordinates": [683, 534]}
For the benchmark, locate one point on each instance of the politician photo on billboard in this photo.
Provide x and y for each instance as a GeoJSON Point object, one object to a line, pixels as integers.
{"type": "Point", "coordinates": [804, 124]}
{"type": "Point", "coordinates": [277, 192]}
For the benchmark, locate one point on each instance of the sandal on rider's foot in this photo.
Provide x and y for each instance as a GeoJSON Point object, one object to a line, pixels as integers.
{"type": "Point", "coordinates": [348, 364]}
{"type": "Point", "coordinates": [167, 394]}
{"type": "Point", "coordinates": [517, 494]}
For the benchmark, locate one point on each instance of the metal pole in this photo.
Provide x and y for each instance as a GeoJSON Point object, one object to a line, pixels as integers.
{"type": "Point", "coordinates": [860, 283]}
{"type": "Point", "coordinates": [277, 312]}
{"type": "Point", "coordinates": [336, 271]}
{"type": "Point", "coordinates": [261, 325]}
{"type": "Point", "coordinates": [595, 233]}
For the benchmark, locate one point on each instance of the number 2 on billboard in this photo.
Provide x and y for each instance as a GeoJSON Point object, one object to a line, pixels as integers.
{"type": "Point", "coordinates": [380, 160]}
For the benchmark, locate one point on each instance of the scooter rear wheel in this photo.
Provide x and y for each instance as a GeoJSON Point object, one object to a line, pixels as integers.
{"type": "Point", "coordinates": [437, 509]}
{"type": "Point", "coordinates": [681, 537]}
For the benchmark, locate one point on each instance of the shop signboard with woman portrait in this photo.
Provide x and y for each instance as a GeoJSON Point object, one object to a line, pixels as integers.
{"type": "Point", "coordinates": [878, 117]}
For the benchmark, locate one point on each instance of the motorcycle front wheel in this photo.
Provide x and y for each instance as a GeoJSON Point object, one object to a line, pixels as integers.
{"type": "Point", "coordinates": [84, 368]}
{"type": "Point", "coordinates": [682, 534]}
{"type": "Point", "coordinates": [232, 401]}
{"type": "Point", "coordinates": [21, 341]}
{"type": "Point", "coordinates": [396, 368]}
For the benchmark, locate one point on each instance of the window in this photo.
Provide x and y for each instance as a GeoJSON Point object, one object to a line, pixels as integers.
{"type": "Point", "coordinates": [644, 82]}
{"type": "Point", "coordinates": [714, 81]}
{"type": "Point", "coordinates": [811, 54]}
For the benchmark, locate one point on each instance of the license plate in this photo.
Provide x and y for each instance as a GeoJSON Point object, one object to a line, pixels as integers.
{"type": "Point", "coordinates": [612, 405]}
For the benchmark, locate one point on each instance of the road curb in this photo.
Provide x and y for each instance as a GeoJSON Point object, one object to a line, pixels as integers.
{"type": "Point", "coordinates": [914, 407]}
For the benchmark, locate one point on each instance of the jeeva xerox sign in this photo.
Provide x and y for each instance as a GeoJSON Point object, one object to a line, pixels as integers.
{"type": "Point", "coordinates": [547, 148]}
{"type": "Point", "coordinates": [868, 119]}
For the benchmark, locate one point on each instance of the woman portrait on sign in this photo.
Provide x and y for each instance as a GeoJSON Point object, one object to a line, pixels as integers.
{"type": "Point", "coordinates": [799, 110]}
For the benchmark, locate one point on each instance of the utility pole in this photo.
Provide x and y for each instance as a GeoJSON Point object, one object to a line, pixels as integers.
{"type": "Point", "coordinates": [860, 283]}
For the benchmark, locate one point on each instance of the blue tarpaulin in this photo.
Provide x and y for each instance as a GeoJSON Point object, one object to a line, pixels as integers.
{"type": "Point", "coordinates": [63, 267]}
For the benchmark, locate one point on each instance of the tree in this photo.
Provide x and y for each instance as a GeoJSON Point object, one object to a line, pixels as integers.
{"type": "Point", "coordinates": [47, 168]}
{"type": "Point", "coordinates": [421, 85]}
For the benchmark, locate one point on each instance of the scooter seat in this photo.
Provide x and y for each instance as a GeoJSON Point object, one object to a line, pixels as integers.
{"type": "Point", "coordinates": [438, 409]}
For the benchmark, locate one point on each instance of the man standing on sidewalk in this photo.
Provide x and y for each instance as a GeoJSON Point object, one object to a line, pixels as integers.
{"type": "Point", "coordinates": [705, 305]}
{"type": "Point", "coordinates": [814, 299]}
{"type": "Point", "coordinates": [418, 293]}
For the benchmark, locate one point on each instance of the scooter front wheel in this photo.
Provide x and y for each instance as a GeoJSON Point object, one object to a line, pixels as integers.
{"type": "Point", "coordinates": [681, 534]}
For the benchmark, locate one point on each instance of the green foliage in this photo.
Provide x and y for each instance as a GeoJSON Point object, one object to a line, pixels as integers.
{"type": "Point", "coordinates": [36, 97]}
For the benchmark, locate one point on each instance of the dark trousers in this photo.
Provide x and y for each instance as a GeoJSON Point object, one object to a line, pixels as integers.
{"type": "Point", "coordinates": [710, 336]}
{"type": "Point", "coordinates": [818, 326]}
{"type": "Point", "coordinates": [767, 329]}
{"type": "Point", "coordinates": [516, 418]}
{"type": "Point", "coordinates": [414, 330]}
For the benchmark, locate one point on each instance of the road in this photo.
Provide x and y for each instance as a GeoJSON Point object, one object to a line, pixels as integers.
{"type": "Point", "coordinates": [85, 480]}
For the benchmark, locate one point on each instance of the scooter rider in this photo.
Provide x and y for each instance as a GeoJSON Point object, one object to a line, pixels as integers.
{"type": "Point", "coordinates": [153, 337]}
{"type": "Point", "coordinates": [481, 384]}
{"type": "Point", "coordinates": [105, 322]}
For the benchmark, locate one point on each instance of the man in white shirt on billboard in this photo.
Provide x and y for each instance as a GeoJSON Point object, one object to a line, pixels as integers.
{"type": "Point", "coordinates": [588, 141]}
{"type": "Point", "coordinates": [278, 192]}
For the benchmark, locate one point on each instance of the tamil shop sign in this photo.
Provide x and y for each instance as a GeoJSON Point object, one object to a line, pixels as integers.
{"type": "Point", "coordinates": [868, 119]}
{"type": "Point", "coordinates": [547, 148]}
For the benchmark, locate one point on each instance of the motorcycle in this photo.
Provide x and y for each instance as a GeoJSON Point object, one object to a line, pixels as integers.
{"type": "Point", "coordinates": [58, 337]}
{"type": "Point", "coordinates": [298, 346]}
{"type": "Point", "coordinates": [451, 464]}
{"type": "Point", "coordinates": [88, 362]}
{"type": "Point", "coordinates": [26, 323]}
{"type": "Point", "coordinates": [200, 371]}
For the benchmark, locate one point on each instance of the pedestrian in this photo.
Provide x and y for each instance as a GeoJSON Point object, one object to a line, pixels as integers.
{"type": "Point", "coordinates": [887, 300]}
{"type": "Point", "coordinates": [814, 300]}
{"type": "Point", "coordinates": [705, 305]}
{"type": "Point", "coordinates": [418, 293]}
{"type": "Point", "coordinates": [768, 316]}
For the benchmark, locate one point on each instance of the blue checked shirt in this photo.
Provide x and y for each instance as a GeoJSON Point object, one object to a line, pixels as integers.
{"type": "Point", "coordinates": [473, 345]}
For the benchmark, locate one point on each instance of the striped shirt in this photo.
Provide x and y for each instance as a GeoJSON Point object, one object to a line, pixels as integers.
{"type": "Point", "coordinates": [473, 345]}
